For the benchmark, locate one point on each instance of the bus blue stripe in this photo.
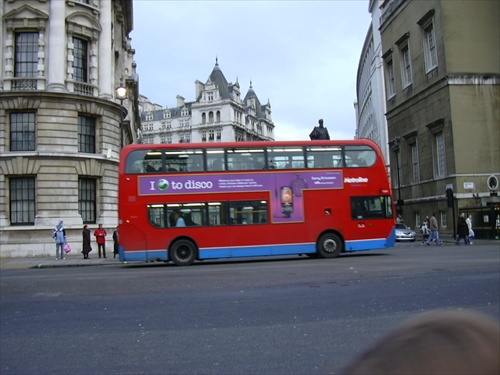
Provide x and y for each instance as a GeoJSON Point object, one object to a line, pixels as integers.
{"type": "Point", "coordinates": [253, 251]}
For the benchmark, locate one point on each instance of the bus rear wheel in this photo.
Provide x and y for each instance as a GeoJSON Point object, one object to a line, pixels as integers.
{"type": "Point", "coordinates": [329, 245]}
{"type": "Point", "coordinates": [183, 252]}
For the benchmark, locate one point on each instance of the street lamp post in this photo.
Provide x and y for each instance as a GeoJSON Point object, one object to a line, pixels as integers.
{"type": "Point", "coordinates": [121, 94]}
{"type": "Point", "coordinates": [395, 148]}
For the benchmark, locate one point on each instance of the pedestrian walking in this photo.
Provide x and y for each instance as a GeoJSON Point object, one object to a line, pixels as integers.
{"type": "Point", "coordinates": [86, 243]}
{"type": "Point", "coordinates": [59, 236]}
{"type": "Point", "coordinates": [116, 240]}
{"type": "Point", "coordinates": [100, 235]}
{"type": "Point", "coordinates": [433, 226]}
{"type": "Point", "coordinates": [462, 230]}
{"type": "Point", "coordinates": [471, 231]}
{"type": "Point", "coordinates": [424, 229]}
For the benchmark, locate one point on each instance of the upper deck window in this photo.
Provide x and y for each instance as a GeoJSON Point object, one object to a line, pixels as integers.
{"type": "Point", "coordinates": [239, 159]}
{"type": "Point", "coordinates": [249, 159]}
{"type": "Point", "coordinates": [324, 157]}
{"type": "Point", "coordinates": [285, 158]}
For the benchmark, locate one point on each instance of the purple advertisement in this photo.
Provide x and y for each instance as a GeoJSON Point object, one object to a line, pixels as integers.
{"type": "Point", "coordinates": [285, 188]}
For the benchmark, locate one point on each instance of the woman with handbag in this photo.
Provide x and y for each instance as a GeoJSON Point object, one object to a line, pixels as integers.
{"type": "Point", "coordinates": [59, 235]}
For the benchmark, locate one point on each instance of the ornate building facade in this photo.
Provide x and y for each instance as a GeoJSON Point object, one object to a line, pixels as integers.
{"type": "Point", "coordinates": [218, 114]}
{"type": "Point", "coordinates": [61, 122]}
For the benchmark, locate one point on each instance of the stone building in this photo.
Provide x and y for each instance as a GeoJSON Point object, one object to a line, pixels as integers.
{"type": "Point", "coordinates": [218, 114]}
{"type": "Point", "coordinates": [442, 81]}
{"type": "Point", "coordinates": [61, 123]}
{"type": "Point", "coordinates": [370, 92]}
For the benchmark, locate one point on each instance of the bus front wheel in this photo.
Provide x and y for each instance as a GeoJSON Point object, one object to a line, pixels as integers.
{"type": "Point", "coordinates": [183, 253]}
{"type": "Point", "coordinates": [329, 245]}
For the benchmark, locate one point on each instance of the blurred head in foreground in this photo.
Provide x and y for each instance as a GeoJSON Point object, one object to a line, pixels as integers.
{"type": "Point", "coordinates": [438, 342]}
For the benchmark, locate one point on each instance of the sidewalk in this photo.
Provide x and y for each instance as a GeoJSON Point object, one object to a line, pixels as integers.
{"type": "Point", "coordinates": [47, 262]}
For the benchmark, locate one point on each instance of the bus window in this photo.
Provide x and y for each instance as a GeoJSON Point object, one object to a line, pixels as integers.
{"type": "Point", "coordinates": [157, 215]}
{"type": "Point", "coordinates": [371, 207]}
{"type": "Point", "coordinates": [194, 160]}
{"type": "Point", "coordinates": [285, 158]}
{"type": "Point", "coordinates": [143, 161]}
{"type": "Point", "coordinates": [324, 157]}
{"type": "Point", "coordinates": [360, 156]}
{"type": "Point", "coordinates": [178, 160]}
{"type": "Point", "coordinates": [239, 159]}
{"type": "Point", "coordinates": [217, 213]}
{"type": "Point", "coordinates": [248, 212]}
{"type": "Point", "coordinates": [192, 214]}
{"type": "Point", "coordinates": [215, 160]}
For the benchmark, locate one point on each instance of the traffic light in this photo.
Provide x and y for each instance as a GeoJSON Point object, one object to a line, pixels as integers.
{"type": "Point", "coordinates": [449, 197]}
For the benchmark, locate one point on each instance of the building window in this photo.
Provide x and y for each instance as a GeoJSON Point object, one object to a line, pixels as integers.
{"type": "Point", "coordinates": [80, 60]}
{"type": "Point", "coordinates": [218, 116]}
{"type": "Point", "coordinates": [391, 86]}
{"type": "Point", "coordinates": [203, 118]}
{"type": "Point", "coordinates": [211, 135]}
{"type": "Point", "coordinates": [22, 131]}
{"type": "Point", "coordinates": [444, 219]}
{"type": "Point", "coordinates": [219, 134]}
{"type": "Point", "coordinates": [430, 48]}
{"type": "Point", "coordinates": [22, 200]}
{"type": "Point", "coordinates": [414, 162]}
{"type": "Point", "coordinates": [440, 167]}
{"type": "Point", "coordinates": [86, 134]}
{"type": "Point", "coordinates": [204, 136]}
{"type": "Point", "coordinates": [26, 56]}
{"type": "Point", "coordinates": [211, 117]}
{"type": "Point", "coordinates": [406, 75]}
{"type": "Point", "coordinates": [210, 96]}
{"type": "Point", "coordinates": [87, 196]}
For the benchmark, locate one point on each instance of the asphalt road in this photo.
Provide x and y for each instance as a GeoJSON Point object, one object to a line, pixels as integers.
{"type": "Point", "coordinates": [286, 316]}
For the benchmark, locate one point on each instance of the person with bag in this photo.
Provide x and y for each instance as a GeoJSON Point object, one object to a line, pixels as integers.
{"type": "Point", "coordinates": [59, 236]}
{"type": "Point", "coordinates": [100, 235]}
{"type": "Point", "coordinates": [86, 244]}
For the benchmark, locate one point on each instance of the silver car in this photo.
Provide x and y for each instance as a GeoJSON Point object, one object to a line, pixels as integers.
{"type": "Point", "coordinates": [405, 233]}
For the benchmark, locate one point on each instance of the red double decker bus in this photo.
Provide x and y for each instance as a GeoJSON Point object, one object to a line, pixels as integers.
{"type": "Point", "coordinates": [187, 202]}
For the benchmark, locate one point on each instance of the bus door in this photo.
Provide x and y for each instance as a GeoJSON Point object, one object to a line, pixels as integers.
{"type": "Point", "coordinates": [371, 222]}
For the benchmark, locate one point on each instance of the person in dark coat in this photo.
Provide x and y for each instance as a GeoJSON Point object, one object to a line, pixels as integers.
{"type": "Point", "coordinates": [462, 230]}
{"type": "Point", "coordinates": [86, 247]}
{"type": "Point", "coordinates": [116, 241]}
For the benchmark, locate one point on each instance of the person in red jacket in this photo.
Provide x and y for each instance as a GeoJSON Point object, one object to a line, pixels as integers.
{"type": "Point", "coordinates": [100, 236]}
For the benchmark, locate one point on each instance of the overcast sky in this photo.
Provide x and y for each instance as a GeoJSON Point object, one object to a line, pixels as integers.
{"type": "Point", "coordinates": [302, 56]}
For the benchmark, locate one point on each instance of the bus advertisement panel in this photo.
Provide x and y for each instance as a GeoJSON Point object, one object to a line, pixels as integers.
{"type": "Point", "coordinates": [184, 202]}
{"type": "Point", "coordinates": [286, 188]}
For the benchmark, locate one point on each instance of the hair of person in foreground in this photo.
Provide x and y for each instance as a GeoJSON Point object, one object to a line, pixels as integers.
{"type": "Point", "coordinates": [437, 342]}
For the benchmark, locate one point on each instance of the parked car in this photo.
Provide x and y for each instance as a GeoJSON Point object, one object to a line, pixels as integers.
{"type": "Point", "coordinates": [405, 233]}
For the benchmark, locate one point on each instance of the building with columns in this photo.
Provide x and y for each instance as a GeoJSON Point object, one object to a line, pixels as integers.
{"type": "Point", "coordinates": [218, 114]}
{"type": "Point", "coordinates": [61, 122]}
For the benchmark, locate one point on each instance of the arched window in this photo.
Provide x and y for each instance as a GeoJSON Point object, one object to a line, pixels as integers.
{"type": "Point", "coordinates": [210, 117]}
{"type": "Point", "coordinates": [203, 118]}
{"type": "Point", "coordinates": [218, 116]}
